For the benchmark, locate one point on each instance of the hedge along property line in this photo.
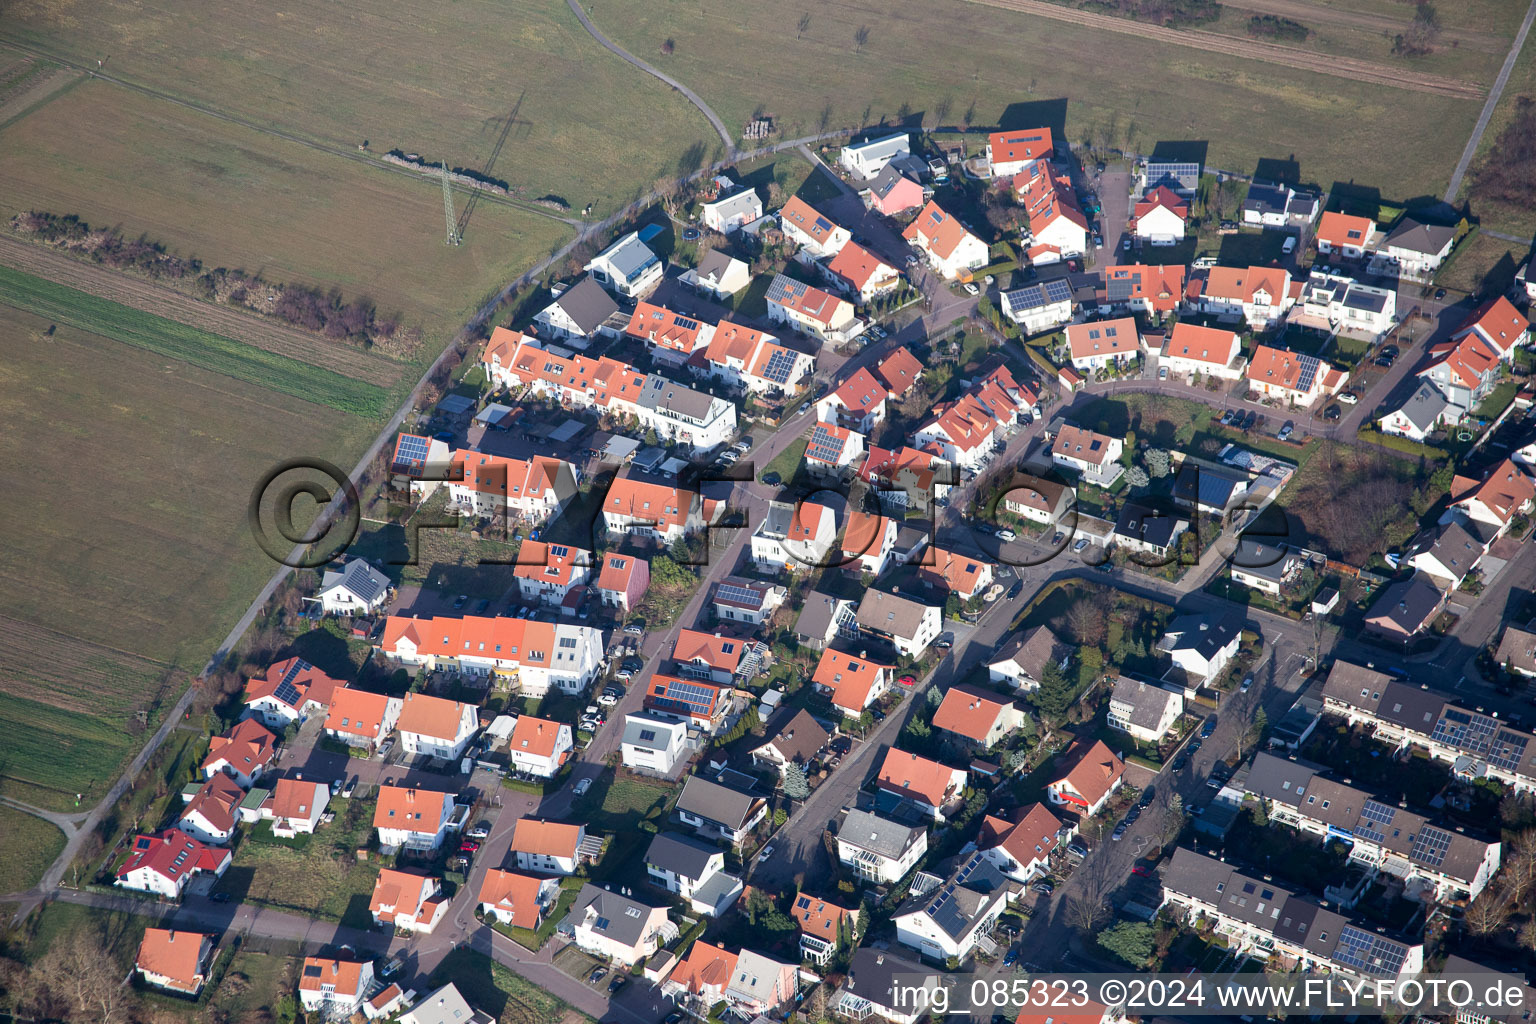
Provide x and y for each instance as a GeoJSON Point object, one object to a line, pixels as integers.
{"type": "Point", "coordinates": [200, 348]}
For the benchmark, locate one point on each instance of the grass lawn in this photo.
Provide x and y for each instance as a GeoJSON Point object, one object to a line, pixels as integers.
{"type": "Point", "coordinates": [1479, 259]}
{"type": "Point", "coordinates": [252, 986]}
{"type": "Point", "coordinates": [320, 876]}
{"type": "Point", "coordinates": [506, 996]}
{"type": "Point", "coordinates": [121, 933]}
{"type": "Point", "coordinates": [162, 455]}
{"type": "Point", "coordinates": [954, 63]}
{"type": "Point", "coordinates": [619, 802]}
{"type": "Point", "coordinates": [788, 462]}
{"type": "Point", "coordinates": [27, 846]}
{"type": "Point", "coordinates": [1510, 217]}
{"type": "Point", "coordinates": [818, 187]}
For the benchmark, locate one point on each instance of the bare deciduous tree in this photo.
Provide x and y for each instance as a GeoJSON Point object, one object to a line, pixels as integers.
{"type": "Point", "coordinates": [1490, 911]}
{"type": "Point", "coordinates": [83, 977]}
{"type": "Point", "coordinates": [1086, 620]}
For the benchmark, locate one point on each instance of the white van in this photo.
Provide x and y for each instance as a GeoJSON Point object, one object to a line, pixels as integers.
{"type": "Point", "coordinates": [1289, 246]}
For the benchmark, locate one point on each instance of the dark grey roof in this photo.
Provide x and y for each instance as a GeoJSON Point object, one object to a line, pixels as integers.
{"type": "Point", "coordinates": [614, 915]}
{"type": "Point", "coordinates": [820, 615]}
{"type": "Point", "coordinates": [797, 737]}
{"type": "Point", "coordinates": [447, 1006]}
{"type": "Point", "coordinates": [958, 905]}
{"type": "Point", "coordinates": [877, 835]}
{"type": "Point", "coordinates": [910, 533]}
{"type": "Point", "coordinates": [629, 255]}
{"type": "Point", "coordinates": [886, 180]}
{"type": "Point", "coordinates": [1149, 525]}
{"type": "Point", "coordinates": [587, 304]}
{"type": "Point", "coordinates": [1147, 701]}
{"type": "Point", "coordinates": [891, 613]}
{"type": "Point", "coordinates": [359, 577]}
{"type": "Point", "coordinates": [1211, 487]}
{"type": "Point", "coordinates": [1039, 295]}
{"type": "Point", "coordinates": [1032, 651]}
{"type": "Point", "coordinates": [715, 263]}
{"type": "Point", "coordinates": [1426, 406]}
{"type": "Point", "coordinates": [1262, 557]}
{"type": "Point", "coordinates": [873, 975]}
{"type": "Point", "coordinates": [1416, 236]}
{"type": "Point", "coordinates": [662, 393]}
{"type": "Point", "coordinates": [714, 802]}
{"type": "Point", "coordinates": [1264, 198]}
{"type": "Point", "coordinates": [1302, 204]}
{"type": "Point", "coordinates": [1455, 545]}
{"type": "Point", "coordinates": [681, 855]}
{"type": "Point", "coordinates": [1204, 634]}
{"type": "Point", "coordinates": [1406, 606]}
{"type": "Point", "coordinates": [1358, 296]}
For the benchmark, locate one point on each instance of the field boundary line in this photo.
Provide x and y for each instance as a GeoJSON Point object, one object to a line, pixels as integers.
{"type": "Point", "coordinates": [1306, 11]}
{"type": "Point", "coordinates": [1272, 53]}
{"type": "Point", "coordinates": [1488, 107]}
{"type": "Point", "coordinates": [61, 89]}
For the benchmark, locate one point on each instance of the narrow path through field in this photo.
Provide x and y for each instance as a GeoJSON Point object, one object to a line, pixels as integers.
{"type": "Point", "coordinates": [66, 823]}
{"type": "Point", "coordinates": [141, 294]}
{"type": "Point", "coordinates": [693, 97]}
{"type": "Point", "coordinates": [1493, 101]}
{"type": "Point", "coordinates": [1311, 14]}
{"type": "Point", "coordinates": [278, 133]}
{"type": "Point", "coordinates": [1272, 53]}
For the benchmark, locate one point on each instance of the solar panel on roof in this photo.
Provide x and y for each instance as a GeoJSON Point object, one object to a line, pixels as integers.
{"type": "Point", "coordinates": [682, 696]}
{"type": "Point", "coordinates": [411, 448]}
{"type": "Point", "coordinates": [822, 224]}
{"type": "Point", "coordinates": [736, 592]}
{"type": "Point", "coordinates": [287, 693]}
{"type": "Point", "coordinates": [1058, 290]}
{"type": "Point", "coordinates": [779, 367]}
{"type": "Point", "coordinates": [1375, 815]}
{"type": "Point", "coordinates": [1430, 846]}
{"type": "Point", "coordinates": [823, 446]}
{"type": "Point", "coordinates": [1369, 952]}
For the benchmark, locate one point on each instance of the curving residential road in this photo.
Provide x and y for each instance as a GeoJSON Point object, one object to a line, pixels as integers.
{"type": "Point", "coordinates": [1488, 106]}
{"type": "Point", "coordinates": [693, 97]}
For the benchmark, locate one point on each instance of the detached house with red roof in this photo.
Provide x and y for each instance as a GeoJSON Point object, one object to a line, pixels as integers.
{"type": "Point", "coordinates": [969, 429]}
{"type": "Point", "coordinates": [407, 902]}
{"type": "Point", "coordinates": [697, 700]}
{"type": "Point", "coordinates": [212, 814]}
{"type": "Point", "coordinates": [754, 360]}
{"type": "Point", "coordinates": [1505, 493]}
{"type": "Point", "coordinates": [823, 925]}
{"type": "Point", "coordinates": [962, 575]}
{"type": "Point", "coordinates": [861, 273]}
{"type": "Point", "coordinates": [412, 819]}
{"type": "Point", "coordinates": [623, 581]}
{"type": "Point", "coordinates": [1293, 377]}
{"type": "Point", "coordinates": [335, 987]}
{"type": "Point", "coordinates": [1058, 228]}
{"type": "Point", "coordinates": [1010, 152]}
{"type": "Point", "coordinates": [295, 806]}
{"type": "Point", "coordinates": [810, 310]}
{"type": "Point", "coordinates": [1103, 343]}
{"type": "Point", "coordinates": [242, 753]}
{"type": "Point", "coordinates": [1159, 216]}
{"type": "Point", "coordinates": [642, 508]}
{"type": "Point", "coordinates": [163, 863]}
{"type": "Point", "coordinates": [1140, 288]}
{"type": "Point", "coordinates": [853, 682]}
{"type": "Point", "coordinates": [173, 960]}
{"type": "Point", "coordinates": [1096, 456]}
{"type": "Point", "coordinates": [928, 785]}
{"type": "Point", "coordinates": [518, 900]}
{"type": "Point", "coordinates": [949, 246]}
{"type": "Point", "coordinates": [794, 536]}
{"type": "Point", "coordinates": [1339, 234]}
{"type": "Point", "coordinates": [907, 479]}
{"type": "Point", "coordinates": [869, 542]}
{"type": "Point", "coordinates": [832, 450]}
{"type": "Point", "coordinates": [702, 976]}
{"type": "Point", "coordinates": [857, 404]}
{"type": "Point", "coordinates": [714, 656]}
{"type": "Point", "coordinates": [539, 746]}
{"type": "Point", "coordinates": [1020, 845]}
{"type": "Point", "coordinates": [1259, 295]}
{"type": "Point", "coordinates": [361, 719]}
{"type": "Point", "coordinates": [815, 233]}
{"type": "Point", "coordinates": [532, 490]}
{"type": "Point", "coordinates": [1499, 324]}
{"type": "Point", "coordinates": [899, 370]}
{"type": "Point", "coordinates": [548, 847]}
{"type": "Point", "coordinates": [289, 691]}
{"type": "Point", "coordinates": [1208, 351]}
{"type": "Point", "coordinates": [1091, 775]}
{"type": "Point", "coordinates": [977, 717]}
{"type": "Point", "coordinates": [547, 573]}
{"type": "Point", "coordinates": [434, 727]}
{"type": "Point", "coordinates": [671, 336]}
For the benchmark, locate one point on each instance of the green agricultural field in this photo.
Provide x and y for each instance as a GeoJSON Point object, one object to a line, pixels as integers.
{"type": "Point", "coordinates": [955, 62]}
{"type": "Point", "coordinates": [124, 581]}
{"type": "Point", "coordinates": [235, 197]}
{"type": "Point", "coordinates": [434, 79]}
{"type": "Point", "coordinates": [27, 846]}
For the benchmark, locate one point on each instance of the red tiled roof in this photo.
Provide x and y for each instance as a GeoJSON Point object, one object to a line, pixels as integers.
{"type": "Point", "coordinates": [903, 772]}
{"type": "Point", "coordinates": [1025, 144]}
{"type": "Point", "coordinates": [969, 712]}
{"type": "Point", "coordinates": [899, 371]}
{"type": "Point", "coordinates": [1340, 229]}
{"type": "Point", "coordinates": [310, 682]}
{"type": "Point", "coordinates": [856, 265]}
{"type": "Point", "coordinates": [1166, 198]}
{"type": "Point", "coordinates": [357, 712]}
{"type": "Point", "coordinates": [1104, 338]}
{"type": "Point", "coordinates": [849, 678]}
{"type": "Point", "coordinates": [545, 838]}
{"type": "Point", "coordinates": [172, 854]}
{"type": "Point", "coordinates": [172, 954]}
{"type": "Point", "coordinates": [248, 747]}
{"type": "Point", "coordinates": [937, 231]}
{"type": "Point", "coordinates": [1094, 769]}
{"type": "Point", "coordinates": [516, 893]}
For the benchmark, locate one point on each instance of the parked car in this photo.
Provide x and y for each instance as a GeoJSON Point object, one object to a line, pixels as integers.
{"type": "Point", "coordinates": [581, 787]}
{"type": "Point", "coordinates": [1180, 763]}
{"type": "Point", "coordinates": [607, 700]}
{"type": "Point", "coordinates": [598, 974]}
{"type": "Point", "coordinates": [350, 788]}
{"type": "Point", "coordinates": [908, 680]}
{"type": "Point", "coordinates": [1119, 833]}
{"type": "Point", "coordinates": [220, 897]}
{"type": "Point", "coordinates": [1162, 373]}
{"type": "Point", "coordinates": [1133, 815]}
{"type": "Point", "coordinates": [617, 983]}
{"type": "Point", "coordinates": [386, 747]}
{"type": "Point", "coordinates": [944, 641]}
{"type": "Point", "coordinates": [1333, 412]}
{"type": "Point", "coordinates": [1141, 871]}
{"type": "Point", "coordinates": [805, 407]}
{"type": "Point", "coordinates": [1082, 543]}
{"type": "Point", "coordinates": [1439, 293]}
{"type": "Point", "coordinates": [1147, 796]}
{"type": "Point", "coordinates": [460, 601]}
{"type": "Point", "coordinates": [1044, 888]}
{"type": "Point", "coordinates": [762, 858]}
{"type": "Point", "coordinates": [1194, 746]}
{"type": "Point", "coordinates": [1208, 728]}
{"type": "Point", "coordinates": [1226, 418]}
{"type": "Point", "coordinates": [1289, 246]}
{"type": "Point", "coordinates": [1348, 397]}
{"type": "Point", "coordinates": [1126, 245]}
{"type": "Point", "coordinates": [1077, 849]}
{"type": "Point", "coordinates": [635, 628]}
{"type": "Point", "coordinates": [1010, 958]}
{"type": "Point", "coordinates": [772, 479]}
{"type": "Point", "coordinates": [1015, 590]}
{"type": "Point", "coordinates": [1286, 431]}
{"type": "Point", "coordinates": [1250, 420]}
{"type": "Point", "coordinates": [480, 831]}
{"type": "Point", "coordinates": [1246, 684]}
{"type": "Point", "coordinates": [1007, 535]}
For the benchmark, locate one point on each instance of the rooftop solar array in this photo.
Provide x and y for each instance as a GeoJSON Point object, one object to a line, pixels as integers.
{"type": "Point", "coordinates": [780, 365]}
{"type": "Point", "coordinates": [411, 449]}
{"type": "Point", "coordinates": [1430, 846]}
{"type": "Point", "coordinates": [1310, 366]}
{"type": "Point", "coordinates": [823, 446]}
{"type": "Point", "coordinates": [686, 696]}
{"type": "Point", "coordinates": [363, 581]}
{"type": "Point", "coordinates": [1369, 952]}
{"type": "Point", "coordinates": [822, 224]}
{"type": "Point", "coordinates": [1374, 817]}
{"type": "Point", "coordinates": [738, 593]}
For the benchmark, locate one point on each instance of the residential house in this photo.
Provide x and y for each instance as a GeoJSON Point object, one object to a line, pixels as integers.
{"type": "Point", "coordinates": [1270, 205]}
{"type": "Point", "coordinates": [1449, 551]}
{"type": "Point", "coordinates": [732, 212]}
{"type": "Point", "coordinates": [334, 988]}
{"type": "Point", "coordinates": [653, 510]}
{"type": "Point", "coordinates": [865, 160]}
{"type": "Point", "coordinates": [1146, 711]}
{"type": "Point", "coordinates": [1207, 351]}
{"type": "Point", "coordinates": [295, 806]}
{"type": "Point", "coordinates": [623, 581]}
{"type": "Point", "coordinates": [1203, 644]}
{"type": "Point", "coordinates": [627, 267]}
{"type": "Point", "coordinates": [793, 740]}
{"type": "Point", "coordinates": [1269, 921]}
{"type": "Point", "coordinates": [1182, 176]}
{"type": "Point", "coordinates": [1498, 324]}
{"type": "Point", "coordinates": [539, 746]}
{"type": "Point", "coordinates": [407, 902]}
{"type": "Point", "coordinates": [755, 361]}
{"type": "Point", "coordinates": [949, 247]}
{"type": "Point", "coordinates": [833, 449]}
{"type": "Point", "coordinates": [824, 618]}
{"type": "Point", "coordinates": [1058, 228]}
{"type": "Point", "coordinates": [653, 742]}
{"type": "Point", "coordinates": [1010, 152]}
{"type": "Point", "coordinates": [907, 479]}
{"type": "Point", "coordinates": [810, 310]}
{"type": "Point", "coordinates": [977, 717]}
{"type": "Point", "coordinates": [165, 862]}
{"type": "Point", "coordinates": [738, 599]}
{"type": "Point", "coordinates": [1094, 456]}
{"type": "Point", "coordinates": [718, 811]}
{"type": "Point", "coordinates": [578, 313]}
{"type": "Point", "coordinates": [856, 404]}
{"type": "Point", "coordinates": [815, 233]}
{"type": "Point", "coordinates": [877, 849]}
{"type": "Point", "coordinates": [699, 702]}
{"type": "Point", "coordinates": [412, 819]}
{"type": "Point", "coordinates": [852, 682]}
{"type": "Point", "coordinates": [1090, 774]}
{"type": "Point", "coordinates": [213, 812]}
{"type": "Point", "coordinates": [760, 984]}
{"type": "Point", "coordinates": [878, 983]}
{"type": "Point", "coordinates": [436, 728]}
{"type": "Point", "coordinates": [1293, 377]}
{"type": "Point", "coordinates": [1154, 291]}
{"type": "Point", "coordinates": [1103, 343]}
{"type": "Point", "coordinates": [548, 847]}
{"type": "Point", "coordinates": [241, 753]}
{"type": "Point", "coordinates": [1517, 650]}
{"type": "Point", "coordinates": [1418, 248]}
{"type": "Point", "coordinates": [1022, 660]}
{"type": "Point", "coordinates": [1020, 845]}
{"type": "Point", "coordinates": [361, 719]}
{"type": "Point", "coordinates": [174, 960]}
{"type": "Point", "coordinates": [970, 429]}
{"type": "Point", "coordinates": [1208, 489]}
{"type": "Point", "coordinates": [823, 926]}
{"type": "Point", "coordinates": [1346, 304]}
{"type": "Point", "coordinates": [1503, 494]}
{"type": "Point", "coordinates": [794, 536]}
{"type": "Point", "coordinates": [681, 864]}
{"type": "Point", "coordinates": [445, 1006]}
{"type": "Point", "coordinates": [287, 692]}
{"type": "Point", "coordinates": [547, 573]}
{"type": "Point", "coordinates": [1262, 564]}
{"type": "Point", "coordinates": [1259, 295]}
{"type": "Point", "coordinates": [860, 272]}
{"type": "Point", "coordinates": [1037, 499]}
{"type": "Point", "coordinates": [1149, 529]}
{"type": "Point", "coordinates": [899, 370]}
{"type": "Point", "coordinates": [955, 918]}
{"type": "Point", "coordinates": [534, 490]}
{"type": "Point", "coordinates": [927, 785]}
{"type": "Point", "coordinates": [893, 193]}
{"type": "Point", "coordinates": [1464, 372]}
{"type": "Point", "coordinates": [531, 655]}
{"type": "Point", "coordinates": [1339, 234]}
{"type": "Point", "coordinates": [718, 275]}
{"type": "Point", "coordinates": [907, 625]}
{"type": "Point", "coordinates": [964, 576]}
{"type": "Point", "coordinates": [612, 925]}
{"type": "Point", "coordinates": [671, 336]}
{"type": "Point", "coordinates": [1039, 307]}
{"type": "Point", "coordinates": [1159, 216]}
{"type": "Point", "coordinates": [715, 656]}
{"type": "Point", "coordinates": [701, 977]}
{"type": "Point", "coordinates": [1405, 608]}
{"type": "Point", "coordinates": [1421, 415]}
{"type": "Point", "coordinates": [516, 899]}
{"type": "Point", "coordinates": [357, 588]}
